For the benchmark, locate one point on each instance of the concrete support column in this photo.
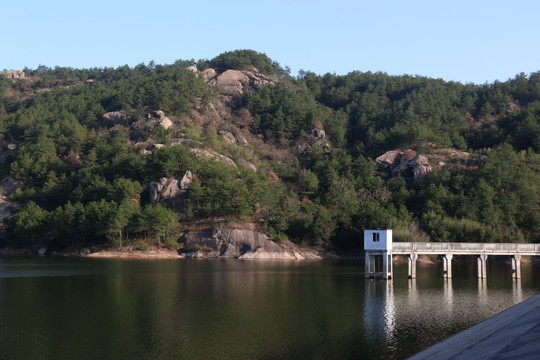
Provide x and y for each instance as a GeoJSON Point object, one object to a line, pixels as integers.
{"type": "Point", "coordinates": [516, 267]}
{"type": "Point", "coordinates": [481, 261]}
{"type": "Point", "coordinates": [387, 265]}
{"type": "Point", "coordinates": [447, 265]}
{"type": "Point", "coordinates": [412, 265]}
{"type": "Point", "coordinates": [390, 265]}
{"type": "Point", "coordinates": [367, 265]}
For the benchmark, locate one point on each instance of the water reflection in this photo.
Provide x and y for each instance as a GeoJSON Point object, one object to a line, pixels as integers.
{"type": "Point", "coordinates": [238, 309]}
{"type": "Point", "coordinates": [448, 295]}
{"type": "Point", "coordinates": [414, 313]}
{"type": "Point", "coordinates": [517, 292]}
{"type": "Point", "coordinates": [482, 292]}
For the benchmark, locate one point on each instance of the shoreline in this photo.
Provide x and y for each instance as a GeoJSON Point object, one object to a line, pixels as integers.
{"type": "Point", "coordinates": [162, 253]}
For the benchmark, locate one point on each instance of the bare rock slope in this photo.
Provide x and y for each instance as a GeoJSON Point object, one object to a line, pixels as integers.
{"type": "Point", "coordinates": [238, 244]}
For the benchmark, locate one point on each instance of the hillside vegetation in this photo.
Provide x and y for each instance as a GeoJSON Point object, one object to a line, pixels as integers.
{"type": "Point", "coordinates": [90, 155]}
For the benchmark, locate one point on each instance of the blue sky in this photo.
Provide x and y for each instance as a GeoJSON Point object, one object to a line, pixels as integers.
{"type": "Point", "coordinates": [472, 41]}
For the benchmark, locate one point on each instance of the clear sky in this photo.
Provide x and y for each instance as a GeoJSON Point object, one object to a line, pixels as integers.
{"type": "Point", "coordinates": [475, 41]}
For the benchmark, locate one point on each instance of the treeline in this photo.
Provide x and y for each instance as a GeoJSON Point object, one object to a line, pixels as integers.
{"type": "Point", "coordinates": [86, 182]}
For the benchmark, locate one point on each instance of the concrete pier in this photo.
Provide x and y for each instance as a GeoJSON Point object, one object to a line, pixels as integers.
{"type": "Point", "coordinates": [480, 250]}
{"type": "Point", "coordinates": [482, 268]}
{"type": "Point", "coordinates": [412, 266]}
{"type": "Point", "coordinates": [516, 266]}
{"type": "Point", "coordinates": [447, 266]}
{"type": "Point", "coordinates": [512, 334]}
{"type": "Point", "coordinates": [379, 248]}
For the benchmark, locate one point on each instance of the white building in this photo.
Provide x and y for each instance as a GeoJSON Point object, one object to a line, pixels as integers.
{"type": "Point", "coordinates": [378, 253]}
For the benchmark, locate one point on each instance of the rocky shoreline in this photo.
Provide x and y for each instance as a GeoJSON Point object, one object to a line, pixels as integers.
{"type": "Point", "coordinates": [227, 243]}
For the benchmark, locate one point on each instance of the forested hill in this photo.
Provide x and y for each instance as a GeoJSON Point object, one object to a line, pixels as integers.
{"type": "Point", "coordinates": [138, 155]}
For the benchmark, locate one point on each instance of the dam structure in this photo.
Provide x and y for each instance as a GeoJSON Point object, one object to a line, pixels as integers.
{"type": "Point", "coordinates": [379, 249]}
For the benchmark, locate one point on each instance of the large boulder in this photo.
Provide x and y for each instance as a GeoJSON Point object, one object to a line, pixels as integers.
{"type": "Point", "coordinates": [208, 74]}
{"type": "Point", "coordinates": [168, 189]}
{"type": "Point", "coordinates": [238, 83]}
{"type": "Point", "coordinates": [164, 189]}
{"type": "Point", "coordinates": [14, 74]}
{"type": "Point", "coordinates": [231, 82]}
{"type": "Point", "coordinates": [186, 181]}
{"type": "Point", "coordinates": [158, 118]}
{"type": "Point", "coordinates": [156, 114]}
{"type": "Point", "coordinates": [239, 244]}
{"type": "Point", "coordinates": [409, 164]}
{"type": "Point", "coordinates": [228, 137]}
{"type": "Point", "coordinates": [165, 123]}
{"type": "Point", "coordinates": [112, 118]}
{"type": "Point", "coordinates": [210, 154]}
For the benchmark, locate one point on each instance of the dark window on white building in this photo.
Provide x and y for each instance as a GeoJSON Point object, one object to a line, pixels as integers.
{"type": "Point", "coordinates": [376, 237]}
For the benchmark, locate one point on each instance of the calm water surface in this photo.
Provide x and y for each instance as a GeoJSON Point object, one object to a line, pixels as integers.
{"type": "Point", "coordinates": [61, 308]}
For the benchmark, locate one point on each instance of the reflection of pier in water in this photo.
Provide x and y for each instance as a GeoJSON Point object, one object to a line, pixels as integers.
{"type": "Point", "coordinates": [379, 249]}
{"type": "Point", "coordinates": [388, 306]}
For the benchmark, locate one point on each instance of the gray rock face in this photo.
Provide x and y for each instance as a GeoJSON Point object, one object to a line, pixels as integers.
{"type": "Point", "coordinates": [239, 244]}
{"type": "Point", "coordinates": [248, 164]}
{"type": "Point", "coordinates": [186, 181]}
{"type": "Point", "coordinates": [164, 189]}
{"type": "Point", "coordinates": [159, 114]}
{"type": "Point", "coordinates": [159, 119]}
{"type": "Point", "coordinates": [317, 136]}
{"type": "Point", "coordinates": [112, 118]}
{"type": "Point", "coordinates": [241, 139]}
{"type": "Point", "coordinates": [165, 123]}
{"type": "Point", "coordinates": [318, 133]}
{"type": "Point", "coordinates": [14, 74]}
{"type": "Point", "coordinates": [11, 185]}
{"type": "Point", "coordinates": [412, 166]}
{"type": "Point", "coordinates": [210, 154]}
{"type": "Point", "coordinates": [208, 74]}
{"type": "Point", "coordinates": [7, 208]}
{"type": "Point", "coordinates": [231, 82]}
{"type": "Point", "coordinates": [228, 137]}
{"type": "Point", "coordinates": [167, 189]}
{"type": "Point", "coordinates": [237, 83]}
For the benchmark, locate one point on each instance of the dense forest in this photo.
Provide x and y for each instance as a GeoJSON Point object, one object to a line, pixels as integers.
{"type": "Point", "coordinates": [310, 142]}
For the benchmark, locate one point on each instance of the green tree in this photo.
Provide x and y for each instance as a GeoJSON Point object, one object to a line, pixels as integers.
{"type": "Point", "coordinates": [160, 225]}
{"type": "Point", "coordinates": [28, 224]}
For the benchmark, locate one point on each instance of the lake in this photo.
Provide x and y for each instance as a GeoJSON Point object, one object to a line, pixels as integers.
{"type": "Point", "coordinates": [71, 308]}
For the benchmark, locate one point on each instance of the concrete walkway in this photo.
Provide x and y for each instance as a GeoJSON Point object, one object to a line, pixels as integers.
{"type": "Point", "coordinates": [512, 334]}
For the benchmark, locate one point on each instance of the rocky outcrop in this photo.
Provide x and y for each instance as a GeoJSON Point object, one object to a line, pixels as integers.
{"type": "Point", "coordinates": [241, 139]}
{"type": "Point", "coordinates": [166, 189]}
{"type": "Point", "coordinates": [238, 83]}
{"type": "Point", "coordinates": [14, 74]}
{"type": "Point", "coordinates": [10, 185]}
{"type": "Point", "coordinates": [7, 208]}
{"type": "Point", "coordinates": [248, 164]}
{"type": "Point", "coordinates": [210, 154]}
{"type": "Point", "coordinates": [186, 181]}
{"type": "Point", "coordinates": [112, 118]}
{"type": "Point", "coordinates": [156, 114]}
{"type": "Point", "coordinates": [208, 74]}
{"type": "Point", "coordinates": [238, 244]}
{"type": "Point", "coordinates": [165, 123]}
{"type": "Point", "coordinates": [207, 116]}
{"type": "Point", "coordinates": [318, 133]}
{"type": "Point", "coordinates": [409, 164]}
{"type": "Point", "coordinates": [228, 137]}
{"type": "Point", "coordinates": [186, 142]}
{"type": "Point", "coordinates": [159, 119]}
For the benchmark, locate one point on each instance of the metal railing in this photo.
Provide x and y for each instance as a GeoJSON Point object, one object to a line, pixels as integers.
{"type": "Point", "coordinates": [465, 248]}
